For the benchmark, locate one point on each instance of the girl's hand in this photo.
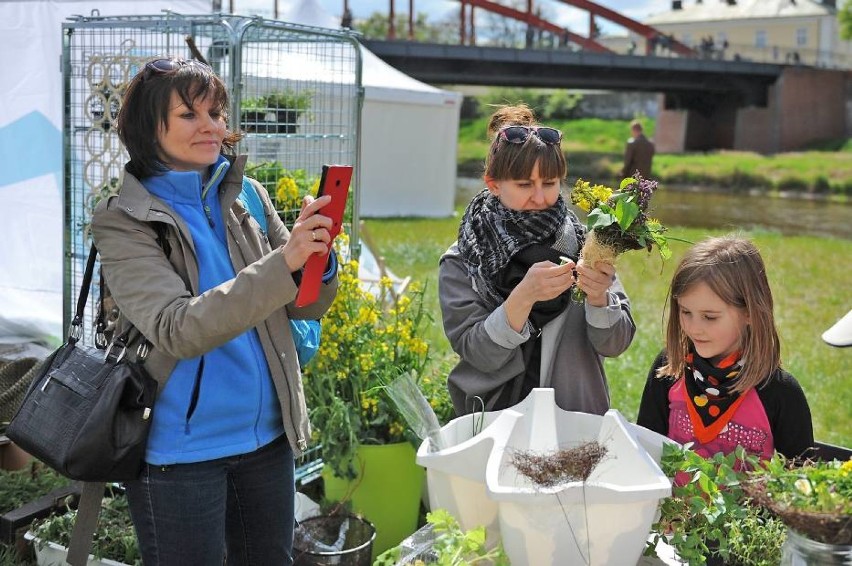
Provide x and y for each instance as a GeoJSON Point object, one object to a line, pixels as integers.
{"type": "Point", "coordinates": [309, 234]}
{"type": "Point", "coordinates": [595, 282]}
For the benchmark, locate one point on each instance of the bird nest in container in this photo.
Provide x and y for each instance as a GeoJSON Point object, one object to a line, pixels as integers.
{"type": "Point", "coordinates": [562, 466]}
{"type": "Point", "coordinates": [821, 526]}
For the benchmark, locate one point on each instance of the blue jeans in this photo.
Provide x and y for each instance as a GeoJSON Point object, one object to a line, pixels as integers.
{"type": "Point", "coordinates": [195, 514]}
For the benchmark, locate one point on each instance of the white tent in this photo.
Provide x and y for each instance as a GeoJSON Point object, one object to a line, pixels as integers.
{"type": "Point", "coordinates": [409, 131]}
{"type": "Point", "coordinates": [31, 145]}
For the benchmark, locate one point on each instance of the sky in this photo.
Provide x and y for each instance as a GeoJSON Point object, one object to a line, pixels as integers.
{"type": "Point", "coordinates": [576, 20]}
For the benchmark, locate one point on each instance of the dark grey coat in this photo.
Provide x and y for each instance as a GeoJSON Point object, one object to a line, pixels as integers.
{"type": "Point", "coordinates": [572, 346]}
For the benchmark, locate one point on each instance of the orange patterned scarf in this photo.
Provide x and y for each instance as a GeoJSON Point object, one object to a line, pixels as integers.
{"type": "Point", "coordinates": [710, 403]}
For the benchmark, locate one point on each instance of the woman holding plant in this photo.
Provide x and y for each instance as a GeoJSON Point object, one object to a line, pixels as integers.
{"type": "Point", "coordinates": [505, 284]}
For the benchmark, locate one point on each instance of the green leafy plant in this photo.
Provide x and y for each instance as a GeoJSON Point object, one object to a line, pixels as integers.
{"type": "Point", "coordinates": [286, 187]}
{"type": "Point", "coordinates": [707, 505]}
{"type": "Point", "coordinates": [618, 221]}
{"type": "Point", "coordinates": [114, 538]}
{"type": "Point", "coordinates": [287, 99]}
{"type": "Point", "coordinates": [22, 486]}
{"type": "Point", "coordinates": [369, 337]}
{"type": "Point", "coordinates": [755, 539]}
{"type": "Point", "coordinates": [276, 112]}
{"type": "Point", "coordinates": [8, 556]}
{"type": "Point", "coordinates": [452, 546]}
{"type": "Point", "coordinates": [814, 498]}
{"type": "Point", "coordinates": [266, 173]}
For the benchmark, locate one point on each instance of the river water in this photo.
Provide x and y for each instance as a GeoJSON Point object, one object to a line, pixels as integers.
{"type": "Point", "coordinates": [701, 208]}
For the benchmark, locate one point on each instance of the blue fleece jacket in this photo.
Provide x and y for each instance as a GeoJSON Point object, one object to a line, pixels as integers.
{"type": "Point", "coordinates": [237, 410]}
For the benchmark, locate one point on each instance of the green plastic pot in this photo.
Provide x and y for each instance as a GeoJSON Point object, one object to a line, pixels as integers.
{"type": "Point", "coordinates": [386, 491]}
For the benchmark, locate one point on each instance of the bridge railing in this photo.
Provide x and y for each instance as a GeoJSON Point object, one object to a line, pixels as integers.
{"type": "Point", "coordinates": [767, 54]}
{"type": "Point", "coordinates": [639, 46]}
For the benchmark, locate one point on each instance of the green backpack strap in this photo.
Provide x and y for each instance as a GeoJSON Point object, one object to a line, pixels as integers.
{"type": "Point", "coordinates": [252, 203]}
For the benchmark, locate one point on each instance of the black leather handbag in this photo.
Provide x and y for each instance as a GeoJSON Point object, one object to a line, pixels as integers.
{"type": "Point", "coordinates": [88, 411]}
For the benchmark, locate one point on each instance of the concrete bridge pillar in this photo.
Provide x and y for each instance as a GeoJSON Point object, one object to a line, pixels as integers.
{"type": "Point", "coordinates": [804, 106]}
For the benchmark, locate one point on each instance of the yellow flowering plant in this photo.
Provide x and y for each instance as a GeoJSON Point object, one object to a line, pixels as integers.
{"type": "Point", "coordinates": [286, 187]}
{"type": "Point", "coordinates": [290, 189]}
{"type": "Point", "coordinates": [370, 336]}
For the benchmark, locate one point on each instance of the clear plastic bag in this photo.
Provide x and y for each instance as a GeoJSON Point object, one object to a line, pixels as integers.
{"type": "Point", "coordinates": [418, 546]}
{"type": "Point", "coordinates": [415, 409]}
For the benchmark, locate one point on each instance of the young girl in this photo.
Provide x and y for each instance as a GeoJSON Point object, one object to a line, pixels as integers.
{"type": "Point", "coordinates": [719, 384]}
{"type": "Point", "coordinates": [504, 288]}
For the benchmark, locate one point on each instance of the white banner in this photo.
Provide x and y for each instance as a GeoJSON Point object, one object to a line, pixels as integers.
{"type": "Point", "coordinates": [31, 206]}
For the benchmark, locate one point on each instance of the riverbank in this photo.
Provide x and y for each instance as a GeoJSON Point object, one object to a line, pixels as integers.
{"type": "Point", "coordinates": [593, 149]}
{"type": "Point", "coordinates": [785, 212]}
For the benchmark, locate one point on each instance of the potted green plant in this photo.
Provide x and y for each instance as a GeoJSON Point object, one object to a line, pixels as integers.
{"type": "Point", "coordinates": [708, 519]}
{"type": "Point", "coordinates": [369, 337]}
{"type": "Point", "coordinates": [27, 494]}
{"type": "Point", "coordinates": [114, 543]}
{"type": "Point", "coordinates": [276, 112]}
{"type": "Point", "coordinates": [814, 500]}
{"type": "Point", "coordinates": [443, 541]}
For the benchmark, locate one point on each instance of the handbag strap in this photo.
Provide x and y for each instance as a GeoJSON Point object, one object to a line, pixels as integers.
{"type": "Point", "coordinates": [87, 521]}
{"type": "Point", "coordinates": [75, 332]}
{"type": "Point", "coordinates": [89, 506]}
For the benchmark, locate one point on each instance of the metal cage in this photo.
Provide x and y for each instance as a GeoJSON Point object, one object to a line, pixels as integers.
{"type": "Point", "coordinates": [296, 94]}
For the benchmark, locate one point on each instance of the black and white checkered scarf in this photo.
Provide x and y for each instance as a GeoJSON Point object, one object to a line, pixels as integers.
{"type": "Point", "coordinates": [490, 235]}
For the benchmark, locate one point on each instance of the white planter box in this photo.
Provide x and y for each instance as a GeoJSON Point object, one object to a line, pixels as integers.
{"type": "Point", "coordinates": [604, 521]}
{"type": "Point", "coordinates": [52, 554]}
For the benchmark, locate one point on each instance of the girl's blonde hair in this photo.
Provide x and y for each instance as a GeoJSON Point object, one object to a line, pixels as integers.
{"type": "Point", "coordinates": [733, 269]}
{"type": "Point", "coordinates": [511, 161]}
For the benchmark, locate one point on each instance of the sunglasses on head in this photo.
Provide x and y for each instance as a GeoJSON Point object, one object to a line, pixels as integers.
{"type": "Point", "coordinates": [165, 66]}
{"type": "Point", "coordinates": [520, 134]}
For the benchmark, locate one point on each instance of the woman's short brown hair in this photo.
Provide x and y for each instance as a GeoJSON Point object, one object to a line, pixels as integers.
{"type": "Point", "coordinates": [512, 161]}
{"type": "Point", "coordinates": [145, 107]}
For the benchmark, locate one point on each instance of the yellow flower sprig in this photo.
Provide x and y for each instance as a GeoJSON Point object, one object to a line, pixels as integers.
{"type": "Point", "coordinates": [292, 187]}
{"type": "Point", "coordinates": [587, 196]}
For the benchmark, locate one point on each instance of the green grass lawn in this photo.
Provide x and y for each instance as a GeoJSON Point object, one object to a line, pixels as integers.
{"type": "Point", "coordinates": [809, 278]}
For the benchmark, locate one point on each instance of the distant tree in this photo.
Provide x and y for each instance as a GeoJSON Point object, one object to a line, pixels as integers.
{"type": "Point", "coordinates": [844, 15]}
{"type": "Point", "coordinates": [548, 104]}
{"type": "Point", "coordinates": [376, 27]}
{"type": "Point", "coordinates": [501, 31]}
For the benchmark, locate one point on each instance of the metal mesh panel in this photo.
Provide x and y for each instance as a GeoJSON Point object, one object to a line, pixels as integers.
{"type": "Point", "coordinates": [296, 92]}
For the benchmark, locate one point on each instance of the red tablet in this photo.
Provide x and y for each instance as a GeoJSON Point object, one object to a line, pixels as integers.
{"type": "Point", "coordinates": [335, 182]}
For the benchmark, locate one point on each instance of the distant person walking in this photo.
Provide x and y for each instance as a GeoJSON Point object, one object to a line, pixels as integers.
{"type": "Point", "coordinates": [638, 153]}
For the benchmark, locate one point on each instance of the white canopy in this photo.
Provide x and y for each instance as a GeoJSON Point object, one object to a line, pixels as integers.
{"type": "Point", "coordinates": [409, 132]}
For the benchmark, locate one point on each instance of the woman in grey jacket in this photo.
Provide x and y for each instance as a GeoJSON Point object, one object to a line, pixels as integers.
{"type": "Point", "coordinates": [504, 285]}
{"type": "Point", "coordinates": [191, 269]}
